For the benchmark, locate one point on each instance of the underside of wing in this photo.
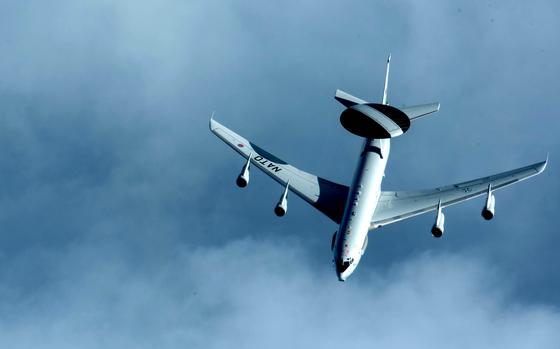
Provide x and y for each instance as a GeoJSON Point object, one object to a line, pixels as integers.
{"type": "Point", "coordinates": [326, 196]}
{"type": "Point", "coordinates": [394, 206]}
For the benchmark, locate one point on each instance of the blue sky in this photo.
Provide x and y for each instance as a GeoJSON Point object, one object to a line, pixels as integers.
{"type": "Point", "coordinates": [120, 221]}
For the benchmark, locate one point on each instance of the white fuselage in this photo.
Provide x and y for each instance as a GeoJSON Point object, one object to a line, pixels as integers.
{"type": "Point", "coordinates": [361, 203]}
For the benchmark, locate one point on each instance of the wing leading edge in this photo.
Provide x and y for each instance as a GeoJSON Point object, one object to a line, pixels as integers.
{"type": "Point", "coordinates": [394, 206]}
{"type": "Point", "coordinates": [326, 196]}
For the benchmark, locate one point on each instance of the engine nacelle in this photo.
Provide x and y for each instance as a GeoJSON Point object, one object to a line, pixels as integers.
{"type": "Point", "coordinates": [490, 207]}
{"type": "Point", "coordinates": [243, 178]}
{"type": "Point", "coordinates": [439, 225]}
{"type": "Point", "coordinates": [282, 205]}
{"type": "Point", "coordinates": [281, 208]}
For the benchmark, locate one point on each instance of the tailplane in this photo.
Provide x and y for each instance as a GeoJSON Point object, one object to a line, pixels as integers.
{"type": "Point", "coordinates": [413, 112]}
{"type": "Point", "coordinates": [372, 120]}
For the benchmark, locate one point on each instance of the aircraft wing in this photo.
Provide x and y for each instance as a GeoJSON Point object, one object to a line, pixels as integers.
{"type": "Point", "coordinates": [394, 206]}
{"type": "Point", "coordinates": [326, 196]}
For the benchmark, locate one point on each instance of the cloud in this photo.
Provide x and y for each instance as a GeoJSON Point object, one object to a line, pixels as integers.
{"type": "Point", "coordinates": [262, 293]}
{"type": "Point", "coordinates": [120, 222]}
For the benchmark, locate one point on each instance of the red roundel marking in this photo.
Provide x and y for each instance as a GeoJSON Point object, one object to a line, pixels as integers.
{"type": "Point", "coordinates": [240, 145]}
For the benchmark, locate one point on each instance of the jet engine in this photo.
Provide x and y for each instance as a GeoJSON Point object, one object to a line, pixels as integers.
{"type": "Point", "coordinates": [438, 227]}
{"type": "Point", "coordinates": [282, 205]}
{"type": "Point", "coordinates": [489, 208]}
{"type": "Point", "coordinates": [243, 178]}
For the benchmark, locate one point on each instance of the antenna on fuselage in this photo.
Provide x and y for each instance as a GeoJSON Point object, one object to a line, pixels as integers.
{"type": "Point", "coordinates": [384, 100]}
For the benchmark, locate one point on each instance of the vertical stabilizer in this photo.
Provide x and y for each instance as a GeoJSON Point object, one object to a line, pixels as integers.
{"type": "Point", "coordinates": [384, 100]}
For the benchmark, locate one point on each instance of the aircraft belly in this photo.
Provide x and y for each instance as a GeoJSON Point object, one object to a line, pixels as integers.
{"type": "Point", "coordinates": [362, 200]}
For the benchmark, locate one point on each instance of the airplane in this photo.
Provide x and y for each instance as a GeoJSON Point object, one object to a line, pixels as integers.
{"type": "Point", "coordinates": [363, 206]}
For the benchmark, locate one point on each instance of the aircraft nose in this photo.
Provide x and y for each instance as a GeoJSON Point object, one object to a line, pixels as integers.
{"type": "Point", "coordinates": [343, 269]}
{"type": "Point", "coordinates": [341, 277]}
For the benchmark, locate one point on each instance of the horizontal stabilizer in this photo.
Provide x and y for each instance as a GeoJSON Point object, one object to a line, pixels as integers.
{"type": "Point", "coordinates": [347, 99]}
{"type": "Point", "coordinates": [416, 111]}
{"type": "Point", "coordinates": [413, 112]}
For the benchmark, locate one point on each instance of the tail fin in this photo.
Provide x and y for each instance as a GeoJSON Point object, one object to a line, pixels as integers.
{"type": "Point", "coordinates": [413, 112]}
{"type": "Point", "coordinates": [384, 100]}
{"type": "Point", "coordinates": [348, 100]}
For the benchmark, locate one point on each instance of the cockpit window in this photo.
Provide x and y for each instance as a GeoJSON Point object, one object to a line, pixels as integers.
{"type": "Point", "coordinates": [341, 265]}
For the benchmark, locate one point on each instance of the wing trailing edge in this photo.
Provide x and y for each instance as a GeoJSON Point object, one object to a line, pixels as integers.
{"type": "Point", "coordinates": [394, 206]}
{"type": "Point", "coordinates": [326, 196]}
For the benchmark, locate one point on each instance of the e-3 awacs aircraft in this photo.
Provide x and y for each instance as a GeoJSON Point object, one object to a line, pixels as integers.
{"type": "Point", "coordinates": [364, 206]}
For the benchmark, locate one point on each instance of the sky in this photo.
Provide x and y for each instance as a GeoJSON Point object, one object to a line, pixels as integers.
{"type": "Point", "coordinates": [120, 222]}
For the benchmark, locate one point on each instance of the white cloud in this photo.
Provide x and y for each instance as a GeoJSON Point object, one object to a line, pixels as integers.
{"type": "Point", "coordinates": [104, 136]}
{"type": "Point", "coordinates": [254, 294]}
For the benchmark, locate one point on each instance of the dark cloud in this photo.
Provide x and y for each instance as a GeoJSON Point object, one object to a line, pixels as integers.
{"type": "Point", "coordinates": [119, 216]}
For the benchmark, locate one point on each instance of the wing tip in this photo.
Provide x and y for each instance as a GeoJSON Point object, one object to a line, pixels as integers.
{"type": "Point", "coordinates": [541, 166]}
{"type": "Point", "coordinates": [212, 123]}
